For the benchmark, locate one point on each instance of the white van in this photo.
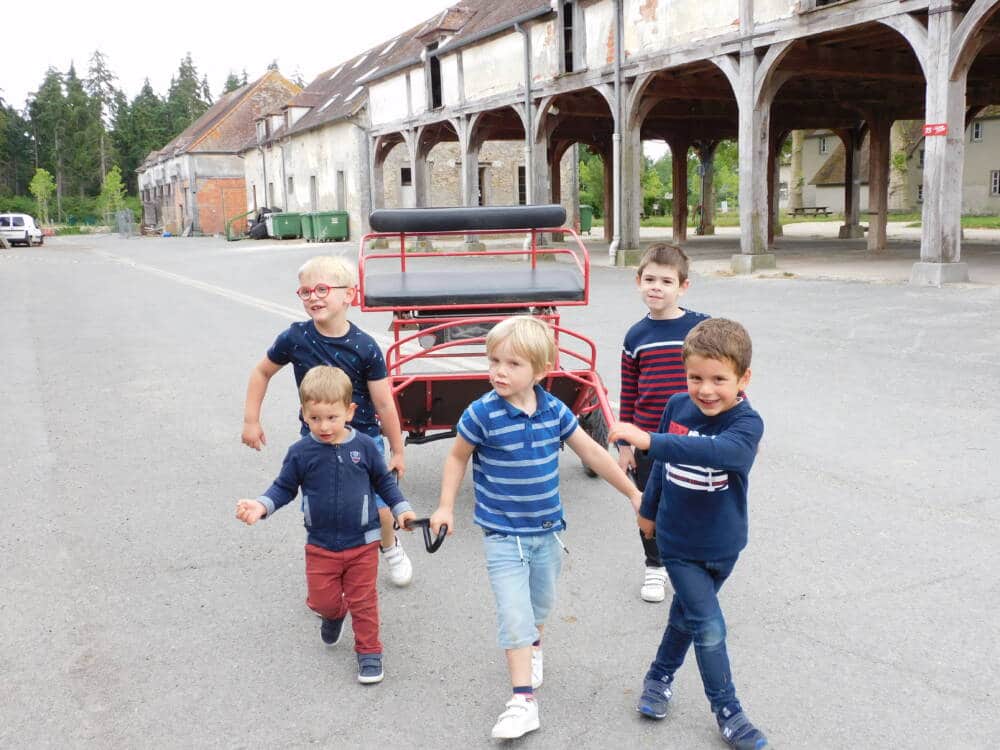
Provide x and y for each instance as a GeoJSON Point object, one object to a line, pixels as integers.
{"type": "Point", "coordinates": [20, 228]}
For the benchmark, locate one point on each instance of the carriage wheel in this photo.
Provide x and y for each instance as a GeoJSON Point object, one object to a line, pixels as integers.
{"type": "Point", "coordinates": [595, 425]}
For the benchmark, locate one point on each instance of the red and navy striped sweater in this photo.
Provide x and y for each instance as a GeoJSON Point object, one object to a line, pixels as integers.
{"type": "Point", "coordinates": [652, 369]}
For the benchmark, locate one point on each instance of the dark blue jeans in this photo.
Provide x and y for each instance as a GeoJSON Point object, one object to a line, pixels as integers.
{"type": "Point", "coordinates": [695, 617]}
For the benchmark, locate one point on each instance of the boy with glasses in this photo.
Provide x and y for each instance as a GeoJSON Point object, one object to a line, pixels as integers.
{"type": "Point", "coordinates": [327, 288]}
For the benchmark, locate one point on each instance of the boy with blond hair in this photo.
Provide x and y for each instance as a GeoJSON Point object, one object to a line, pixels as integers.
{"type": "Point", "coordinates": [513, 435]}
{"type": "Point", "coordinates": [696, 499]}
{"type": "Point", "coordinates": [326, 288]}
{"type": "Point", "coordinates": [336, 467]}
{"type": "Point", "coordinates": [652, 372]}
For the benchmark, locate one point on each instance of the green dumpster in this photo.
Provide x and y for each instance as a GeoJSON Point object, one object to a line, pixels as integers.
{"type": "Point", "coordinates": [330, 225]}
{"type": "Point", "coordinates": [586, 218]}
{"type": "Point", "coordinates": [308, 232]}
{"type": "Point", "coordinates": [285, 226]}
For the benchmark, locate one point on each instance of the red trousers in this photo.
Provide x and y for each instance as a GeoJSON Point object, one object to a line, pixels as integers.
{"type": "Point", "coordinates": [342, 582]}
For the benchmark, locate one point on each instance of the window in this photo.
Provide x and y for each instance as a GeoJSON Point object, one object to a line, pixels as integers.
{"type": "Point", "coordinates": [405, 177]}
{"type": "Point", "coordinates": [823, 145]}
{"type": "Point", "coordinates": [995, 182]}
{"type": "Point", "coordinates": [522, 186]}
{"type": "Point", "coordinates": [920, 193]}
{"type": "Point", "coordinates": [920, 159]}
{"type": "Point", "coordinates": [435, 77]}
{"type": "Point", "coordinates": [341, 190]}
{"type": "Point", "coordinates": [18, 221]}
{"type": "Point", "coordinates": [977, 131]}
{"type": "Point", "coordinates": [270, 194]}
{"type": "Point", "coordinates": [291, 187]}
{"type": "Point", "coordinates": [567, 28]}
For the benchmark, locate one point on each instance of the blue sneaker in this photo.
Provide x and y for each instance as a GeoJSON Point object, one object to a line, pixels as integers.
{"type": "Point", "coordinates": [655, 698]}
{"type": "Point", "coordinates": [331, 630]}
{"type": "Point", "coordinates": [737, 730]}
{"type": "Point", "coordinates": [370, 668]}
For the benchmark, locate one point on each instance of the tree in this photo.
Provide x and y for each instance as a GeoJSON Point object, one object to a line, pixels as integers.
{"type": "Point", "coordinates": [591, 172]}
{"type": "Point", "coordinates": [48, 114]}
{"type": "Point", "coordinates": [100, 84]}
{"type": "Point", "coordinates": [42, 187]}
{"type": "Point", "coordinates": [232, 83]}
{"type": "Point", "coordinates": [185, 98]}
{"type": "Point", "coordinates": [83, 136]}
{"type": "Point", "coordinates": [112, 197]}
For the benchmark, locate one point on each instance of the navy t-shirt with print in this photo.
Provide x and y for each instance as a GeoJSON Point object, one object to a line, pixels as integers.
{"type": "Point", "coordinates": [356, 353]}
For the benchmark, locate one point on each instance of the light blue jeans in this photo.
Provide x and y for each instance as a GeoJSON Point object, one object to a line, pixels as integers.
{"type": "Point", "coordinates": [523, 572]}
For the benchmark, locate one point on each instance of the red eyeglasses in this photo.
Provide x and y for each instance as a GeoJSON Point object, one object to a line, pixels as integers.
{"type": "Point", "coordinates": [320, 290]}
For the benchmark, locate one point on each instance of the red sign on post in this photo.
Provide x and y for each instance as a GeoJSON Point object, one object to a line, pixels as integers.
{"type": "Point", "coordinates": [937, 128]}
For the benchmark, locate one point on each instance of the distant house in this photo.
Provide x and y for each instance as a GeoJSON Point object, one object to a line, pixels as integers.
{"type": "Point", "coordinates": [823, 158]}
{"type": "Point", "coordinates": [196, 182]}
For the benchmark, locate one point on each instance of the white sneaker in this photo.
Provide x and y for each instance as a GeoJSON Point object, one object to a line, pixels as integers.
{"type": "Point", "coordinates": [520, 718]}
{"type": "Point", "coordinates": [654, 585]}
{"type": "Point", "coordinates": [400, 567]}
{"type": "Point", "coordinates": [536, 667]}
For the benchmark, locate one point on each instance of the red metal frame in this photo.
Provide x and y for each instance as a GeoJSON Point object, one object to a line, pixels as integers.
{"type": "Point", "coordinates": [401, 357]}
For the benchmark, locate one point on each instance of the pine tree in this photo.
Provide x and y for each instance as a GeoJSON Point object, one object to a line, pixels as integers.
{"type": "Point", "coordinates": [83, 133]}
{"type": "Point", "coordinates": [185, 101]}
{"type": "Point", "coordinates": [232, 83]}
{"type": "Point", "coordinates": [100, 84]}
{"type": "Point", "coordinates": [48, 114]}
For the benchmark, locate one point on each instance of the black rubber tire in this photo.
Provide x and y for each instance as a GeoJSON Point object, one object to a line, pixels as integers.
{"type": "Point", "coordinates": [595, 425]}
{"type": "Point", "coordinates": [467, 218]}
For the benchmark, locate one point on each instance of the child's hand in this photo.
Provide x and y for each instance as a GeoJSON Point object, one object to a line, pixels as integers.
{"type": "Point", "coordinates": [250, 511]}
{"type": "Point", "coordinates": [253, 435]}
{"type": "Point", "coordinates": [647, 527]}
{"type": "Point", "coordinates": [440, 517]}
{"type": "Point", "coordinates": [397, 464]}
{"type": "Point", "coordinates": [403, 518]}
{"type": "Point", "coordinates": [626, 458]}
{"type": "Point", "coordinates": [630, 434]}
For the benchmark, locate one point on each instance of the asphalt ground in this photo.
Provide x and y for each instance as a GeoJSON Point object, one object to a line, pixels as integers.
{"type": "Point", "coordinates": [135, 611]}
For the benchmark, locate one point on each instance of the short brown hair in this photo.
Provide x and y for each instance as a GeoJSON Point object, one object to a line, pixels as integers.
{"type": "Point", "coordinates": [326, 385]}
{"type": "Point", "coordinates": [529, 337]}
{"type": "Point", "coordinates": [722, 339]}
{"type": "Point", "coordinates": [665, 254]}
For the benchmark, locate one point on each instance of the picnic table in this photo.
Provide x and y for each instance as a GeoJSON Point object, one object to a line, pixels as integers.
{"type": "Point", "coordinates": [811, 211]}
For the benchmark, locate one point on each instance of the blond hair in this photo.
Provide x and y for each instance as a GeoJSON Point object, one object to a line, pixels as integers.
{"type": "Point", "coordinates": [720, 339]}
{"type": "Point", "coordinates": [332, 268]}
{"type": "Point", "coordinates": [529, 337]}
{"type": "Point", "coordinates": [325, 385]}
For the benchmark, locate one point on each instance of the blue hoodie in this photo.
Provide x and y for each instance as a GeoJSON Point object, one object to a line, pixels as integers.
{"type": "Point", "coordinates": [338, 483]}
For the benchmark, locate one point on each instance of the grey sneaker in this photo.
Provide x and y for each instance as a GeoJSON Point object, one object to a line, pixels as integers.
{"type": "Point", "coordinates": [655, 698]}
{"type": "Point", "coordinates": [370, 668]}
{"type": "Point", "coordinates": [331, 630]}
{"type": "Point", "coordinates": [738, 732]}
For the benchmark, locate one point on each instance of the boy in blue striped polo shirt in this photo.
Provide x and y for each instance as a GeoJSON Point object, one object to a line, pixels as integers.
{"type": "Point", "coordinates": [513, 435]}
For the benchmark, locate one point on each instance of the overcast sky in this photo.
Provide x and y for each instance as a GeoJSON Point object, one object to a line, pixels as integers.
{"type": "Point", "coordinates": [143, 40]}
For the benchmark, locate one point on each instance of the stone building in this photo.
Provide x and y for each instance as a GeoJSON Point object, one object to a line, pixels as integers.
{"type": "Point", "coordinates": [196, 182]}
{"type": "Point", "coordinates": [544, 76]}
{"type": "Point", "coordinates": [823, 157]}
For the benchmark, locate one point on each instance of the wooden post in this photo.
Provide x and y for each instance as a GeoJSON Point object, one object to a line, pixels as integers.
{"type": "Point", "coordinates": [878, 182]}
{"type": "Point", "coordinates": [679, 204]}
{"type": "Point", "coordinates": [944, 144]}
{"type": "Point", "coordinates": [706, 219]}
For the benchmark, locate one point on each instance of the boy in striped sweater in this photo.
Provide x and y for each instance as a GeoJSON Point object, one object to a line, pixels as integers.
{"type": "Point", "coordinates": [513, 434]}
{"type": "Point", "coordinates": [652, 372]}
{"type": "Point", "coordinates": [696, 498]}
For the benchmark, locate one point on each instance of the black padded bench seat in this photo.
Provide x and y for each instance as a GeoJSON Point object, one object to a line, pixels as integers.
{"type": "Point", "coordinates": [484, 285]}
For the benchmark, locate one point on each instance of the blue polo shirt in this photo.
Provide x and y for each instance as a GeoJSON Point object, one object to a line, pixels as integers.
{"type": "Point", "coordinates": [515, 465]}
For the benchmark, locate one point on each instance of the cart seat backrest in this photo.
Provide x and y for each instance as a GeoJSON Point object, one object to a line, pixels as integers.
{"type": "Point", "coordinates": [467, 218]}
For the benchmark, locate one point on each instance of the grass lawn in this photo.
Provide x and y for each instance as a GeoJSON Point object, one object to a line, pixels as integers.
{"type": "Point", "coordinates": [732, 219]}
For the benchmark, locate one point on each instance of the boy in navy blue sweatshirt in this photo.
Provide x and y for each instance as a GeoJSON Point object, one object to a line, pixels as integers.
{"type": "Point", "coordinates": [339, 470]}
{"type": "Point", "coordinates": [696, 500]}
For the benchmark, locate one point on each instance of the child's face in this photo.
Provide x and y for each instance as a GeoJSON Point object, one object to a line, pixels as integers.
{"type": "Point", "coordinates": [661, 289]}
{"type": "Point", "coordinates": [328, 422]}
{"type": "Point", "coordinates": [511, 374]}
{"type": "Point", "coordinates": [713, 384]}
{"type": "Point", "coordinates": [324, 310]}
